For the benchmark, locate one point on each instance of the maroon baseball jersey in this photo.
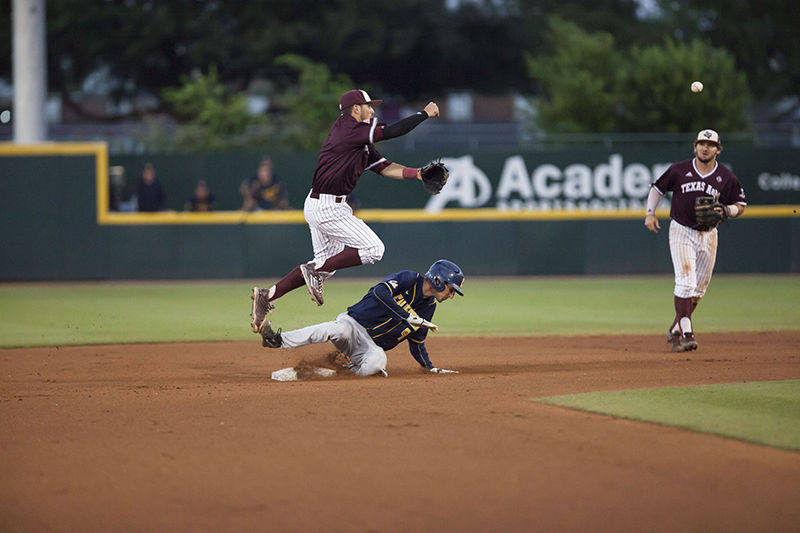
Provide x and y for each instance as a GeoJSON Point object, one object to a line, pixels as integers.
{"type": "Point", "coordinates": [348, 151]}
{"type": "Point", "coordinates": [686, 184]}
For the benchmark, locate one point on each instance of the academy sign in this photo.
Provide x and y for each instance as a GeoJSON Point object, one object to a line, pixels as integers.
{"type": "Point", "coordinates": [608, 185]}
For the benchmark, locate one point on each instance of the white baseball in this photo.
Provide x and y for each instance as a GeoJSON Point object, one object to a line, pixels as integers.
{"type": "Point", "coordinates": [697, 86]}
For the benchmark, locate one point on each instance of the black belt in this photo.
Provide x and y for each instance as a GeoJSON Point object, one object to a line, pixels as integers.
{"type": "Point", "coordinates": [337, 199]}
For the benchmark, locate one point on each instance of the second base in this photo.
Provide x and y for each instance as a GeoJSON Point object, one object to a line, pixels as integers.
{"type": "Point", "coordinates": [290, 373]}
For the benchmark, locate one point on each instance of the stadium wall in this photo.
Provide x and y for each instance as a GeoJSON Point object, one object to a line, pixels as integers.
{"type": "Point", "coordinates": [569, 212]}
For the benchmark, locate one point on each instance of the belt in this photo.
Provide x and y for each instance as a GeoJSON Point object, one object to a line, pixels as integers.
{"type": "Point", "coordinates": [703, 229]}
{"type": "Point", "coordinates": [337, 199]}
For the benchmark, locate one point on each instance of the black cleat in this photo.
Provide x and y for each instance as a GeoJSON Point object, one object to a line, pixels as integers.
{"type": "Point", "coordinates": [688, 343]}
{"type": "Point", "coordinates": [675, 341]}
{"type": "Point", "coordinates": [269, 338]}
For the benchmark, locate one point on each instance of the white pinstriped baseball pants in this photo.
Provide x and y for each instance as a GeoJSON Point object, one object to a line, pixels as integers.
{"type": "Point", "coordinates": [693, 256]}
{"type": "Point", "coordinates": [333, 226]}
{"type": "Point", "coordinates": [348, 336]}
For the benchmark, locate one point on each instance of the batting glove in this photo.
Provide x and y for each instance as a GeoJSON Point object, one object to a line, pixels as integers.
{"type": "Point", "coordinates": [418, 321]}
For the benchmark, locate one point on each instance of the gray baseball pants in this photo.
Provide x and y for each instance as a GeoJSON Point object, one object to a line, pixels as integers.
{"type": "Point", "coordinates": [348, 336]}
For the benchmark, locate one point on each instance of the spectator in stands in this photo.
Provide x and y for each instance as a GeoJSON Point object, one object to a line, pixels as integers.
{"type": "Point", "coordinates": [202, 199]}
{"type": "Point", "coordinates": [264, 190]}
{"type": "Point", "coordinates": [150, 194]}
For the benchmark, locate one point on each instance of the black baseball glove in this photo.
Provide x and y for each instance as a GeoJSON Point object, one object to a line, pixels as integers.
{"type": "Point", "coordinates": [708, 211]}
{"type": "Point", "coordinates": [434, 176]}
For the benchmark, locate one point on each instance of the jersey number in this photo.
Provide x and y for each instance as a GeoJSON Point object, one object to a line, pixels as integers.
{"type": "Point", "coordinates": [404, 334]}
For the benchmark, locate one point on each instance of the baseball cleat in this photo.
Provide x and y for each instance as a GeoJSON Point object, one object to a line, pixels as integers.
{"type": "Point", "coordinates": [688, 343]}
{"type": "Point", "coordinates": [261, 307]}
{"type": "Point", "coordinates": [674, 340]}
{"type": "Point", "coordinates": [314, 280]}
{"type": "Point", "coordinates": [269, 337]}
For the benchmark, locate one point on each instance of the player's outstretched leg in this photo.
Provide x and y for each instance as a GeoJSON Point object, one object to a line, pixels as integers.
{"type": "Point", "coordinates": [261, 307]}
{"type": "Point", "coordinates": [263, 298]}
{"type": "Point", "coordinates": [315, 277]}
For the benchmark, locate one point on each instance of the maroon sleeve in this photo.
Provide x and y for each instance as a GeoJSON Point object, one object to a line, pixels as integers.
{"type": "Point", "coordinates": [734, 192]}
{"type": "Point", "coordinates": [348, 134]}
{"type": "Point", "coordinates": [359, 135]}
{"type": "Point", "coordinates": [375, 161]}
{"type": "Point", "coordinates": [666, 181]}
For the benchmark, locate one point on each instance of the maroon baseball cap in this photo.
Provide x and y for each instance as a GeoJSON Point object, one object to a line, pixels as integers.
{"type": "Point", "coordinates": [355, 97]}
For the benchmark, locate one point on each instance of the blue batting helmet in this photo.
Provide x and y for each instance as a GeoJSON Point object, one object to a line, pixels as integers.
{"type": "Point", "coordinates": [444, 272]}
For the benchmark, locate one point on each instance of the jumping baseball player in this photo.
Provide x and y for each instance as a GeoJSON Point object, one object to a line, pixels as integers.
{"type": "Point", "coordinates": [704, 193]}
{"type": "Point", "coordinates": [340, 239]}
{"type": "Point", "coordinates": [398, 308]}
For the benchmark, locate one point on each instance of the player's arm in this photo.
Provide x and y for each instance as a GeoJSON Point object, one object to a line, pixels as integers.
{"type": "Point", "coordinates": [399, 172]}
{"type": "Point", "coordinates": [650, 220]}
{"type": "Point", "coordinates": [734, 195]}
{"type": "Point", "coordinates": [734, 210]}
{"type": "Point", "coordinates": [733, 200]}
{"type": "Point", "coordinates": [420, 353]}
{"type": "Point", "coordinates": [383, 294]}
{"type": "Point", "coordinates": [405, 125]}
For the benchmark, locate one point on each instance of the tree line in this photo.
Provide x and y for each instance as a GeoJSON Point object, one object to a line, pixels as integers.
{"type": "Point", "coordinates": [589, 66]}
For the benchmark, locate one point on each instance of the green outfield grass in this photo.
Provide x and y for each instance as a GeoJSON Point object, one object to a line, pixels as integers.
{"type": "Point", "coordinates": [95, 313]}
{"type": "Point", "coordinates": [765, 412]}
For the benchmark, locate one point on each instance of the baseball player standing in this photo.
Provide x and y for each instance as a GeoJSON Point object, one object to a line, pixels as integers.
{"type": "Point", "coordinates": [693, 244]}
{"type": "Point", "coordinates": [398, 308]}
{"type": "Point", "coordinates": [340, 239]}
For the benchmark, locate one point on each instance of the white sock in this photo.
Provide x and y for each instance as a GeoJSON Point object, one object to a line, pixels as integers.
{"type": "Point", "coordinates": [271, 292]}
{"type": "Point", "coordinates": [686, 325]}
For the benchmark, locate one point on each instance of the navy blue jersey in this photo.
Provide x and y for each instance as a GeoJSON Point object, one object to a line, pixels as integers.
{"type": "Point", "coordinates": [272, 195]}
{"type": "Point", "coordinates": [386, 306]}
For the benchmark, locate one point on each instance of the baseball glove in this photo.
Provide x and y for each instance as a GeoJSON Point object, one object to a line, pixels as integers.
{"type": "Point", "coordinates": [340, 360]}
{"type": "Point", "coordinates": [434, 176]}
{"type": "Point", "coordinates": [708, 211]}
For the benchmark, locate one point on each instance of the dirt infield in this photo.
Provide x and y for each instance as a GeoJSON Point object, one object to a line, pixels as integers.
{"type": "Point", "coordinates": [197, 437]}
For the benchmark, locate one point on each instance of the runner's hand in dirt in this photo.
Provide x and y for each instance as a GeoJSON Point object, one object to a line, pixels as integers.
{"type": "Point", "coordinates": [443, 371]}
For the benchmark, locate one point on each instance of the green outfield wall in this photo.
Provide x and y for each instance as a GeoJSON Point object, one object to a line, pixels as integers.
{"type": "Point", "coordinates": [502, 213]}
